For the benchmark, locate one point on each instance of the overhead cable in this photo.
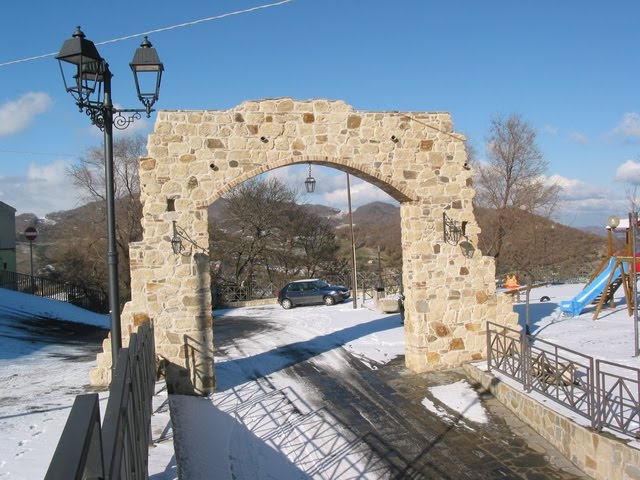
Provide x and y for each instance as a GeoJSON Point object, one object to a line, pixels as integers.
{"type": "Point", "coordinates": [163, 29]}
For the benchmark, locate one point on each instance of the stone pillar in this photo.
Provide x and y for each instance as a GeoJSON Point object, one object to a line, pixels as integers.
{"type": "Point", "coordinates": [449, 290]}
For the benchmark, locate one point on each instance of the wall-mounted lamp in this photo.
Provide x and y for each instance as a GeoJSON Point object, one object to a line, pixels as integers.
{"type": "Point", "coordinates": [467, 249]}
{"type": "Point", "coordinates": [178, 236]}
{"type": "Point", "coordinates": [176, 240]}
{"type": "Point", "coordinates": [310, 182]}
{"type": "Point", "coordinates": [453, 230]}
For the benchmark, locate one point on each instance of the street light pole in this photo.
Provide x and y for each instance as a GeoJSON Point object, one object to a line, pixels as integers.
{"type": "Point", "coordinates": [89, 83]}
{"type": "Point", "coordinates": [112, 251]}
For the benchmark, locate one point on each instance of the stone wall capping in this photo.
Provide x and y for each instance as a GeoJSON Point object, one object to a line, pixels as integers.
{"type": "Point", "coordinates": [600, 455]}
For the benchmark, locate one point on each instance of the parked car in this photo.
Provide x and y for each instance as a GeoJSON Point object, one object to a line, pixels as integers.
{"type": "Point", "coordinates": [310, 291]}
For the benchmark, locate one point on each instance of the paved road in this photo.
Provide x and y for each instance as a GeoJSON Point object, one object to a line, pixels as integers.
{"type": "Point", "coordinates": [383, 409]}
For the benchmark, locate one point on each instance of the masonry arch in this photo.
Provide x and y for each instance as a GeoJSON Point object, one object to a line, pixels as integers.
{"type": "Point", "coordinates": [397, 192]}
{"type": "Point", "coordinates": [197, 156]}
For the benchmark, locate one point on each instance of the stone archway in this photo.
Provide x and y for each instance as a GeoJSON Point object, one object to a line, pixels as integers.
{"type": "Point", "coordinates": [197, 156]}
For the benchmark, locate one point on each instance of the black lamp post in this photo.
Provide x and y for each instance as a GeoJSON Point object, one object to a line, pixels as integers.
{"type": "Point", "coordinates": [89, 82]}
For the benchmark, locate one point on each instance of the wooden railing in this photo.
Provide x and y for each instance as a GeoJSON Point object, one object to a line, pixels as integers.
{"type": "Point", "coordinates": [119, 450]}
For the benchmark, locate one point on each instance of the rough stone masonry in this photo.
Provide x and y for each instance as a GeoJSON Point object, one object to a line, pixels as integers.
{"type": "Point", "coordinates": [195, 157]}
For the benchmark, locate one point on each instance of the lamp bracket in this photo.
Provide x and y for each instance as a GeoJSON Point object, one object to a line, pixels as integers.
{"type": "Point", "coordinates": [120, 118]}
{"type": "Point", "coordinates": [452, 229]}
{"type": "Point", "coordinates": [179, 234]}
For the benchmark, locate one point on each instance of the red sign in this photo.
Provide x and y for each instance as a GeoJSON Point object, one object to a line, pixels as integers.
{"type": "Point", "coordinates": [30, 234]}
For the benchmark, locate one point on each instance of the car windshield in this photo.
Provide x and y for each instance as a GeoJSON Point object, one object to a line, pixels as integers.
{"type": "Point", "coordinates": [321, 284]}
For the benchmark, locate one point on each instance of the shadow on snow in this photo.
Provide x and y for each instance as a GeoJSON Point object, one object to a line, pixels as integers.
{"type": "Point", "coordinates": [242, 370]}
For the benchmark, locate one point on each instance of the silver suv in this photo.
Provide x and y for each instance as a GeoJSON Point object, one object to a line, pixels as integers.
{"type": "Point", "coordinates": [306, 292]}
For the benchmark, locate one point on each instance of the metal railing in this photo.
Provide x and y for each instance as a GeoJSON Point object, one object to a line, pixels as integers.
{"type": "Point", "coordinates": [619, 388]}
{"type": "Point", "coordinates": [225, 294]}
{"type": "Point", "coordinates": [371, 283]}
{"type": "Point", "coordinates": [87, 298]}
{"type": "Point", "coordinates": [605, 393]}
{"type": "Point", "coordinates": [120, 449]}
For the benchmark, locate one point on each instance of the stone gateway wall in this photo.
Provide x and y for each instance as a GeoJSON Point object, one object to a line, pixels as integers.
{"type": "Point", "coordinates": [197, 156]}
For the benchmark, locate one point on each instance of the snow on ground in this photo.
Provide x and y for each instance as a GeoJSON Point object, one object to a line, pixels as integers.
{"type": "Point", "coordinates": [274, 427]}
{"type": "Point", "coordinates": [42, 368]}
{"type": "Point", "coordinates": [272, 416]}
{"type": "Point", "coordinates": [459, 397]}
{"type": "Point", "coordinates": [17, 304]}
{"type": "Point", "coordinates": [609, 337]}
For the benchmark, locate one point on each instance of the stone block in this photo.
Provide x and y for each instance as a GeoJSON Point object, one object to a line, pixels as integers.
{"type": "Point", "coordinates": [100, 377]}
{"type": "Point", "coordinates": [388, 305]}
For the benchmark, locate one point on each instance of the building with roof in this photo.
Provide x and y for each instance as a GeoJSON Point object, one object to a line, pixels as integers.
{"type": "Point", "coordinates": [7, 237]}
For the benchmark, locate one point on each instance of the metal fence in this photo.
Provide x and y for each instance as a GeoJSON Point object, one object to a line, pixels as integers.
{"type": "Point", "coordinates": [120, 449]}
{"type": "Point", "coordinates": [371, 283]}
{"type": "Point", "coordinates": [605, 393]}
{"type": "Point", "coordinates": [87, 298]}
{"type": "Point", "coordinates": [226, 293]}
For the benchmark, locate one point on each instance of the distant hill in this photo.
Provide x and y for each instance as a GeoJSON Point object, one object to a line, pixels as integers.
{"type": "Point", "coordinates": [333, 215]}
{"type": "Point", "coordinates": [559, 252]}
{"type": "Point", "coordinates": [570, 252]}
{"type": "Point", "coordinates": [24, 221]}
{"type": "Point", "coordinates": [377, 213]}
{"type": "Point", "coordinates": [600, 231]}
{"type": "Point", "coordinates": [376, 234]}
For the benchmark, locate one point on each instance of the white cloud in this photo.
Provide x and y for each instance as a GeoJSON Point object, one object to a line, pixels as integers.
{"type": "Point", "coordinates": [577, 190]}
{"type": "Point", "coordinates": [17, 115]}
{"type": "Point", "coordinates": [550, 129]}
{"type": "Point", "coordinates": [585, 204]}
{"type": "Point", "coordinates": [331, 186]}
{"type": "Point", "coordinates": [579, 138]}
{"type": "Point", "coordinates": [45, 188]}
{"type": "Point", "coordinates": [628, 172]}
{"type": "Point", "coordinates": [361, 194]}
{"type": "Point", "coordinates": [628, 127]}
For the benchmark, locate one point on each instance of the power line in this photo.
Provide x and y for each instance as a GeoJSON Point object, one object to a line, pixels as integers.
{"type": "Point", "coordinates": [163, 29]}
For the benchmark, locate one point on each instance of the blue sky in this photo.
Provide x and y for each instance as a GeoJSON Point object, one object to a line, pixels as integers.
{"type": "Point", "coordinates": [570, 68]}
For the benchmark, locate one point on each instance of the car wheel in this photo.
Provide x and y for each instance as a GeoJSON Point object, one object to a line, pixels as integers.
{"type": "Point", "coordinates": [329, 300]}
{"type": "Point", "coordinates": [286, 304]}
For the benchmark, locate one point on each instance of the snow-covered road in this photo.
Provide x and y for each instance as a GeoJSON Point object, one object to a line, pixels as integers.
{"type": "Point", "coordinates": [296, 400]}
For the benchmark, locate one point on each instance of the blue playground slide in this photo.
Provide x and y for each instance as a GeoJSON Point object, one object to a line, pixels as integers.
{"type": "Point", "coordinates": [591, 291]}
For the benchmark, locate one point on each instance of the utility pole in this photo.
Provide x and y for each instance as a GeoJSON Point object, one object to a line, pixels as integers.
{"type": "Point", "coordinates": [353, 248]}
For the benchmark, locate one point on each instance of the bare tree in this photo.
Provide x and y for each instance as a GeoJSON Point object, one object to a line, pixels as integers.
{"type": "Point", "coordinates": [266, 236]}
{"type": "Point", "coordinates": [512, 180]}
{"type": "Point", "coordinates": [256, 210]}
{"type": "Point", "coordinates": [632, 198]}
{"type": "Point", "coordinates": [89, 175]}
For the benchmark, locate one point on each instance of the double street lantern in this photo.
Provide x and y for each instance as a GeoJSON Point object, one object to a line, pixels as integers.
{"type": "Point", "coordinates": [88, 80]}
{"type": "Point", "coordinates": [147, 71]}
